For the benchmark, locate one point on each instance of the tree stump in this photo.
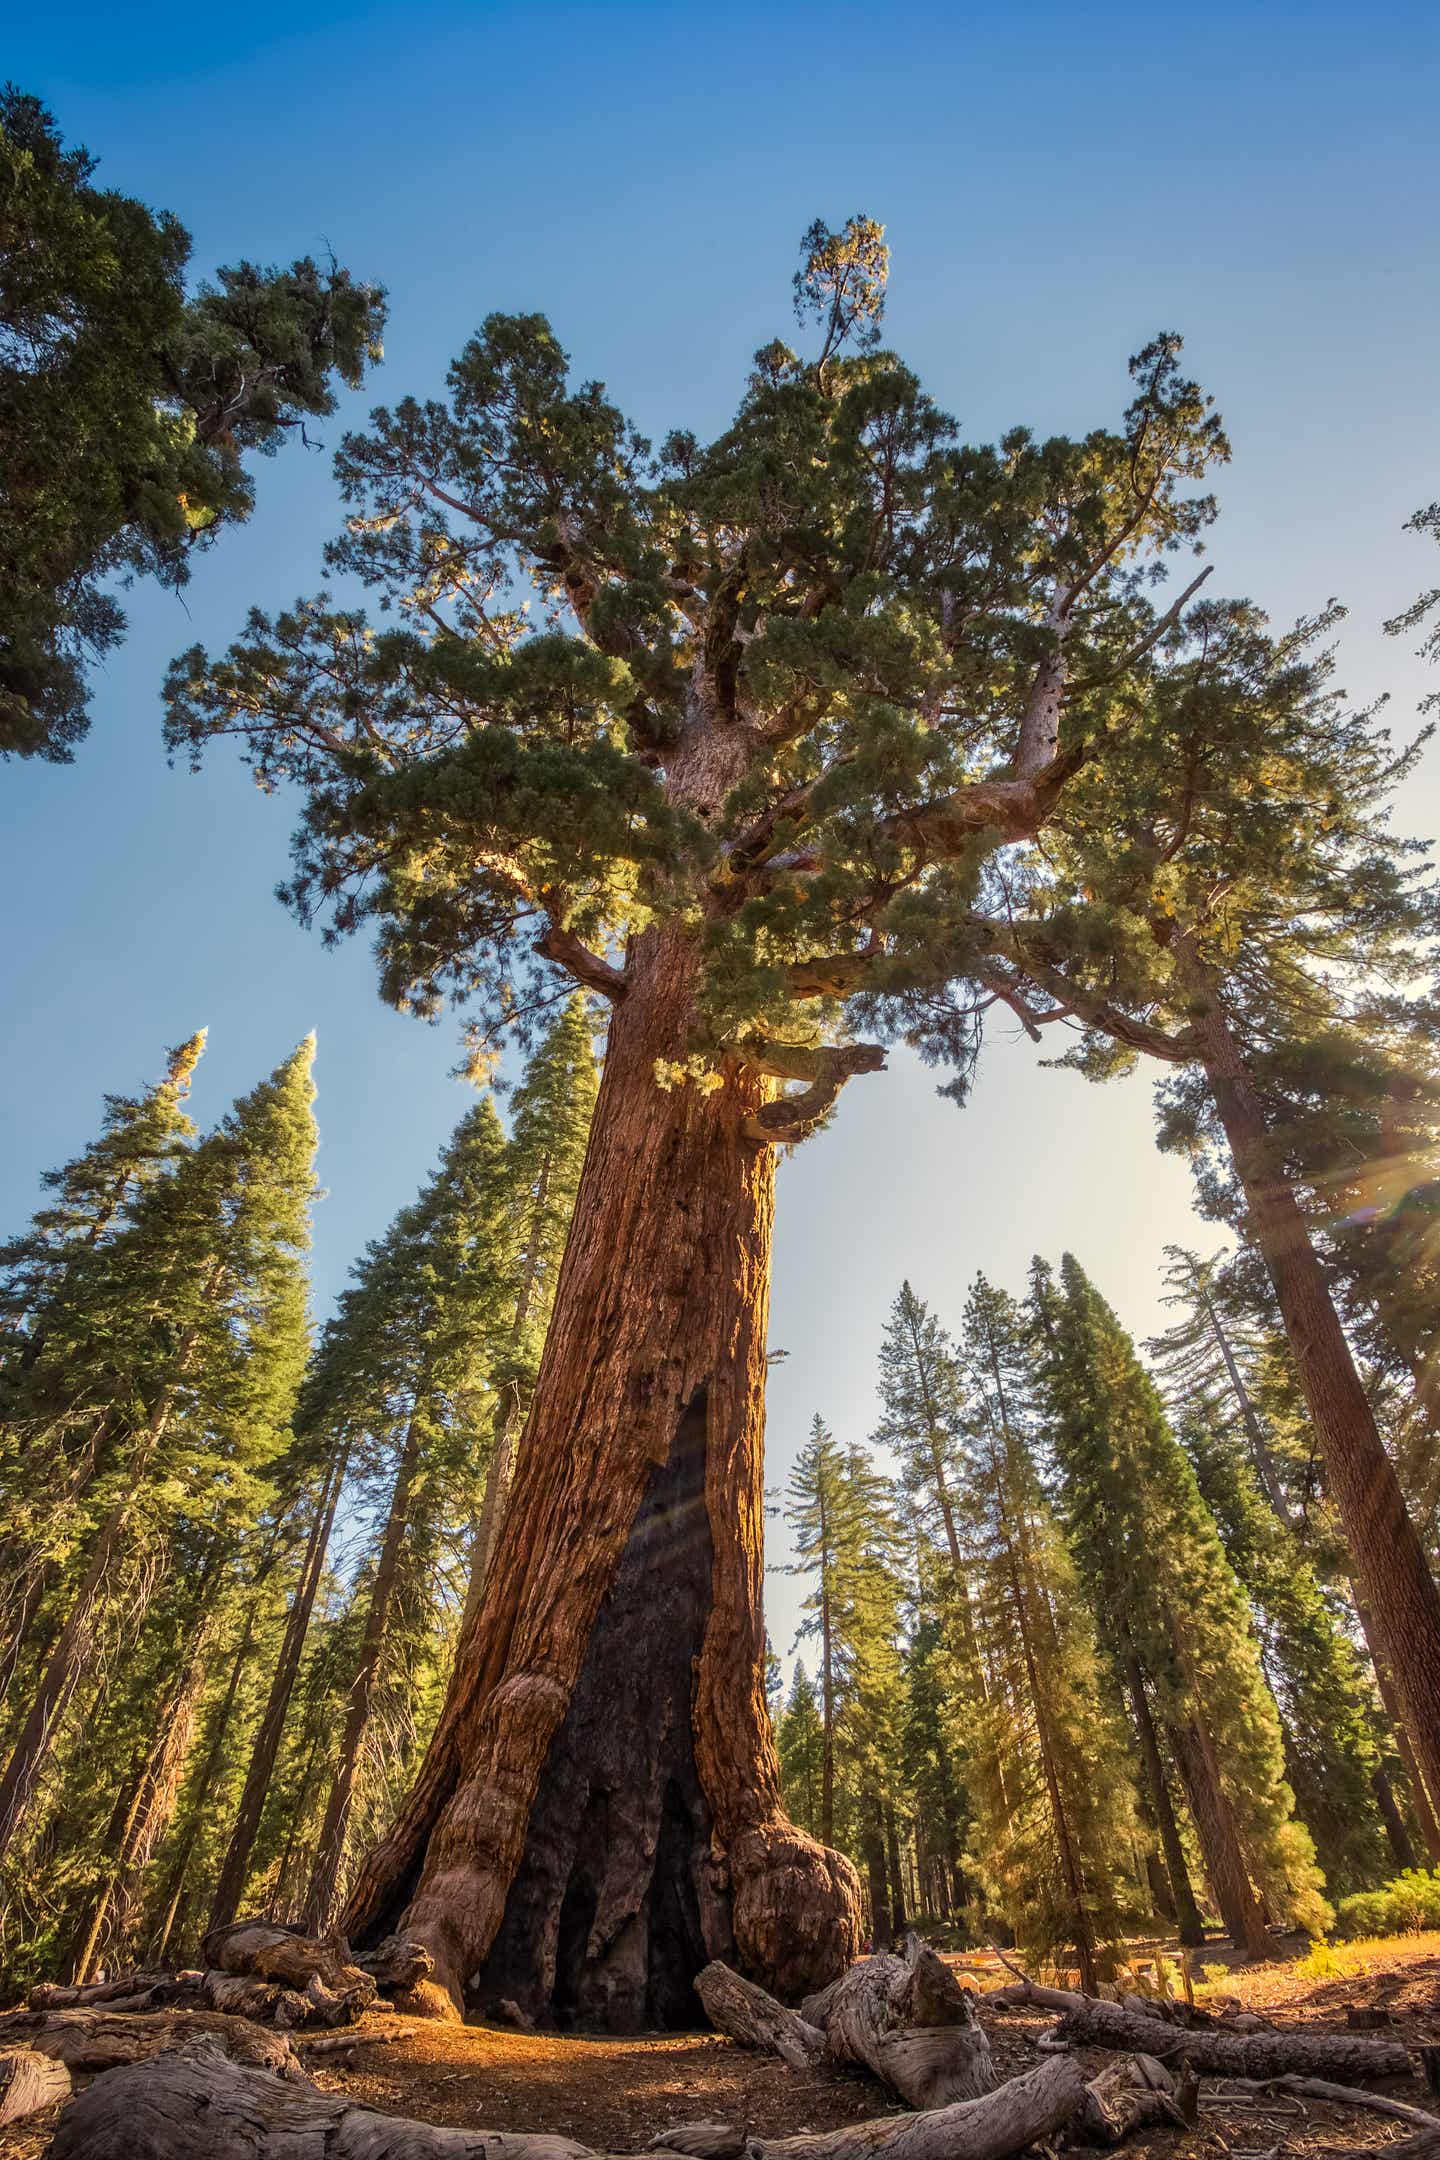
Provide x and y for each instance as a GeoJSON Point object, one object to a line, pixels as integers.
{"type": "Point", "coordinates": [909, 2021]}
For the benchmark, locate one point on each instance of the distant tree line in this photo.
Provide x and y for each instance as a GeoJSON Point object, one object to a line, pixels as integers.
{"type": "Point", "coordinates": [1086, 1657]}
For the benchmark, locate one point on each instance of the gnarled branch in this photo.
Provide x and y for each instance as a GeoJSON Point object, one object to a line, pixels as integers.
{"type": "Point", "coordinates": [566, 950]}
{"type": "Point", "coordinates": [826, 1068]}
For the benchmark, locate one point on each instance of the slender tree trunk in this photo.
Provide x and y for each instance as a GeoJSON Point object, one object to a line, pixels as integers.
{"type": "Point", "coordinates": [1259, 1446]}
{"type": "Point", "coordinates": [1214, 1817]}
{"type": "Point", "coordinates": [1187, 1914]}
{"type": "Point", "coordinates": [1401, 1849]}
{"type": "Point", "coordinates": [168, 1904]}
{"type": "Point", "coordinates": [599, 1810]}
{"type": "Point", "coordinates": [64, 1669]}
{"type": "Point", "coordinates": [236, 1865]}
{"type": "Point", "coordinates": [872, 1845]}
{"type": "Point", "coordinates": [897, 1873]}
{"type": "Point", "coordinates": [1394, 1570]}
{"type": "Point", "coordinates": [146, 1817]}
{"type": "Point", "coordinates": [1384, 1681]}
{"type": "Point", "coordinates": [330, 1852]}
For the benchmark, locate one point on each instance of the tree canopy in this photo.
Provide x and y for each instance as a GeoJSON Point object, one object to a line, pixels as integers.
{"type": "Point", "coordinates": [127, 407]}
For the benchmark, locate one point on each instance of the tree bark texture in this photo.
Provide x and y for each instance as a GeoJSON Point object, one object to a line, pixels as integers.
{"type": "Point", "coordinates": [1394, 1570]}
{"type": "Point", "coordinates": [599, 1811]}
{"type": "Point", "coordinates": [910, 2023]}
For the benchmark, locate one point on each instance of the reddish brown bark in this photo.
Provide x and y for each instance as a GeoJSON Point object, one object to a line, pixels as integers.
{"type": "Point", "coordinates": [1399, 1588]}
{"type": "Point", "coordinates": [651, 1384]}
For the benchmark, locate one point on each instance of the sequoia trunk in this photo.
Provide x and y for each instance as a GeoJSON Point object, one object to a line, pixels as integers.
{"type": "Point", "coordinates": [598, 1813]}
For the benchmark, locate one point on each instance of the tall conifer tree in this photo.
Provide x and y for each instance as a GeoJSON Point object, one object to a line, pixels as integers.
{"type": "Point", "coordinates": [195, 1343]}
{"type": "Point", "coordinates": [1056, 1827]}
{"type": "Point", "coordinates": [1170, 1605]}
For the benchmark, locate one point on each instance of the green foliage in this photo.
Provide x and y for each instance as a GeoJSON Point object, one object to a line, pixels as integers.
{"type": "Point", "coordinates": [126, 408]}
{"type": "Point", "coordinates": [768, 690]}
{"type": "Point", "coordinates": [1044, 1749]}
{"type": "Point", "coordinates": [800, 1740]}
{"type": "Point", "coordinates": [1402, 1906]}
{"type": "Point", "coordinates": [846, 1538]}
{"type": "Point", "coordinates": [1158, 1579]}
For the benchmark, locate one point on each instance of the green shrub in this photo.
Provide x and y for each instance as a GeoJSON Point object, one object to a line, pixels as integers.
{"type": "Point", "coordinates": [1402, 1906]}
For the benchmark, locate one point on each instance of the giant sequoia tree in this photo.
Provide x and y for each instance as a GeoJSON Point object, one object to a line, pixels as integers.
{"type": "Point", "coordinates": [746, 737]}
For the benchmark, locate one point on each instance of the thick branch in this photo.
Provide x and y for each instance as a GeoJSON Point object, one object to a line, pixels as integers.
{"type": "Point", "coordinates": [566, 950]}
{"type": "Point", "coordinates": [794, 1117]}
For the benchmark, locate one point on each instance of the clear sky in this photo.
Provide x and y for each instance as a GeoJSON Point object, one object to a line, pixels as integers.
{"type": "Point", "coordinates": [1057, 182]}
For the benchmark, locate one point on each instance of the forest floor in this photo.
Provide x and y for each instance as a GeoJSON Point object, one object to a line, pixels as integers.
{"type": "Point", "coordinates": [614, 2095]}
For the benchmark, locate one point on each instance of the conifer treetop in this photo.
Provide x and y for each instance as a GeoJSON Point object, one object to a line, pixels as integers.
{"type": "Point", "coordinates": [808, 692]}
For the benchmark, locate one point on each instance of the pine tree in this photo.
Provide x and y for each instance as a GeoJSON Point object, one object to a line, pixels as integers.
{"type": "Point", "coordinates": [550, 1127]}
{"type": "Point", "coordinates": [1234, 904]}
{"type": "Point", "coordinates": [1246, 1481]}
{"type": "Point", "coordinates": [126, 407]}
{"type": "Point", "coordinates": [760, 765]}
{"type": "Point", "coordinates": [1046, 1762]}
{"type": "Point", "coordinates": [800, 1738]}
{"type": "Point", "coordinates": [53, 1436]}
{"type": "Point", "coordinates": [431, 1300]}
{"type": "Point", "coordinates": [845, 1537]}
{"type": "Point", "coordinates": [1331, 1759]}
{"type": "Point", "coordinates": [194, 1340]}
{"type": "Point", "coordinates": [1174, 1615]}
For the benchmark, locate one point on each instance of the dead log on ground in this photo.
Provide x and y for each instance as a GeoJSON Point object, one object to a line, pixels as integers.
{"type": "Point", "coordinates": [150, 2112]}
{"type": "Point", "coordinates": [702, 2141]}
{"type": "Point", "coordinates": [1314, 2088]}
{"type": "Point", "coordinates": [1133, 2095]}
{"type": "Point", "coordinates": [747, 2014]}
{"type": "Point", "coordinates": [909, 2021]}
{"type": "Point", "coordinates": [1425, 2145]}
{"type": "Point", "coordinates": [395, 1963]}
{"type": "Point", "coordinates": [90, 2040]}
{"type": "Point", "coordinates": [29, 2081]}
{"type": "Point", "coordinates": [268, 1951]}
{"type": "Point", "coordinates": [1092, 2023]}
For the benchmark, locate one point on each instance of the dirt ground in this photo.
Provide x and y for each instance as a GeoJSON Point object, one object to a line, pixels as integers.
{"type": "Point", "coordinates": [614, 2095]}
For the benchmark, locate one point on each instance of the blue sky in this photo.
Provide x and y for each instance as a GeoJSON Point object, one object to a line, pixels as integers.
{"type": "Point", "coordinates": [1057, 184]}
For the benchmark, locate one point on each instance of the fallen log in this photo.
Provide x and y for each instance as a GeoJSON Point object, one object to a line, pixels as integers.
{"type": "Point", "coordinates": [89, 2040]}
{"type": "Point", "coordinates": [1133, 2095]}
{"type": "Point", "coordinates": [1425, 2145]}
{"type": "Point", "coordinates": [1092, 2023]}
{"type": "Point", "coordinates": [29, 2081]}
{"type": "Point", "coordinates": [269, 1951]}
{"type": "Point", "coordinates": [150, 2112]}
{"type": "Point", "coordinates": [1314, 2088]}
{"type": "Point", "coordinates": [746, 2013]}
{"type": "Point", "coordinates": [702, 2141]}
{"type": "Point", "coordinates": [395, 1963]}
{"type": "Point", "coordinates": [909, 2021]}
